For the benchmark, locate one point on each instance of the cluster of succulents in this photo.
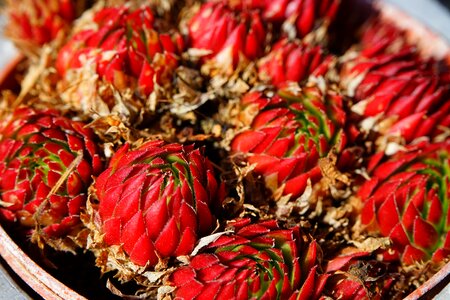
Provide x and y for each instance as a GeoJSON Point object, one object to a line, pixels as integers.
{"type": "Point", "coordinates": [229, 149]}
{"type": "Point", "coordinates": [35, 23]}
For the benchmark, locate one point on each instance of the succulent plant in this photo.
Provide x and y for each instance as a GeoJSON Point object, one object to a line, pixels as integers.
{"type": "Point", "coordinates": [397, 93]}
{"type": "Point", "coordinates": [380, 37]}
{"type": "Point", "coordinates": [124, 49]}
{"type": "Point", "coordinates": [407, 200]}
{"type": "Point", "coordinates": [289, 134]}
{"type": "Point", "coordinates": [155, 201]}
{"type": "Point", "coordinates": [293, 61]}
{"type": "Point", "coordinates": [125, 44]}
{"type": "Point", "coordinates": [230, 37]}
{"type": "Point", "coordinates": [33, 23]}
{"type": "Point", "coordinates": [46, 166]}
{"type": "Point", "coordinates": [255, 261]}
{"type": "Point", "coordinates": [304, 15]}
{"type": "Point", "coordinates": [238, 135]}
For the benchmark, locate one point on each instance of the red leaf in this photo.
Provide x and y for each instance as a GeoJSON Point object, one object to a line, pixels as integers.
{"type": "Point", "coordinates": [169, 238]}
{"type": "Point", "coordinates": [210, 291]}
{"type": "Point", "coordinates": [189, 291]}
{"type": "Point", "coordinates": [440, 255]}
{"type": "Point", "coordinates": [132, 231]}
{"type": "Point", "coordinates": [74, 185]}
{"type": "Point", "coordinates": [306, 17]}
{"type": "Point", "coordinates": [296, 186]}
{"type": "Point", "coordinates": [113, 231]}
{"type": "Point", "coordinates": [411, 255]}
{"type": "Point", "coordinates": [424, 234]}
{"type": "Point", "coordinates": [340, 262]}
{"type": "Point", "coordinates": [253, 230]}
{"type": "Point", "coordinates": [283, 169]}
{"type": "Point", "coordinates": [388, 216]}
{"type": "Point", "coordinates": [399, 237]}
{"type": "Point", "coordinates": [407, 127]}
{"type": "Point", "coordinates": [144, 252]}
{"type": "Point", "coordinates": [378, 104]}
{"type": "Point", "coordinates": [129, 202]}
{"type": "Point", "coordinates": [109, 201]}
{"type": "Point", "coordinates": [247, 141]}
{"type": "Point", "coordinates": [156, 217]}
{"type": "Point", "coordinates": [182, 276]}
{"type": "Point", "coordinates": [202, 261]}
{"type": "Point", "coordinates": [435, 212]}
{"type": "Point", "coordinates": [211, 273]}
{"type": "Point", "coordinates": [205, 218]}
{"type": "Point", "coordinates": [187, 243]}
{"type": "Point", "coordinates": [410, 214]}
{"type": "Point", "coordinates": [307, 290]}
{"type": "Point", "coordinates": [227, 292]}
{"type": "Point", "coordinates": [368, 212]}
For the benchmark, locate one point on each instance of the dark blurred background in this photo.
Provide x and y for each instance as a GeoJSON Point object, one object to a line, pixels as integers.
{"type": "Point", "coordinates": [446, 3]}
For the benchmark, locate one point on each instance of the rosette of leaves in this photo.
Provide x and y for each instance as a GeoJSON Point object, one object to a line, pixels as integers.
{"type": "Point", "coordinates": [47, 162]}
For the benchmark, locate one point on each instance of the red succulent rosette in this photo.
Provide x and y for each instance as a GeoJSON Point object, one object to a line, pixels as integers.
{"type": "Point", "coordinates": [258, 260]}
{"type": "Point", "coordinates": [293, 61]}
{"type": "Point", "coordinates": [407, 200]}
{"type": "Point", "coordinates": [230, 37]}
{"type": "Point", "coordinates": [305, 15]}
{"type": "Point", "coordinates": [381, 37]}
{"type": "Point", "coordinates": [289, 134]}
{"type": "Point", "coordinates": [156, 201]}
{"type": "Point", "coordinates": [397, 92]}
{"type": "Point", "coordinates": [126, 47]}
{"type": "Point", "coordinates": [46, 166]}
{"type": "Point", "coordinates": [33, 23]}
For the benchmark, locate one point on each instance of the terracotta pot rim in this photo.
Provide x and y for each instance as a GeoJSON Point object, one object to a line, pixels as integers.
{"type": "Point", "coordinates": [37, 278]}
